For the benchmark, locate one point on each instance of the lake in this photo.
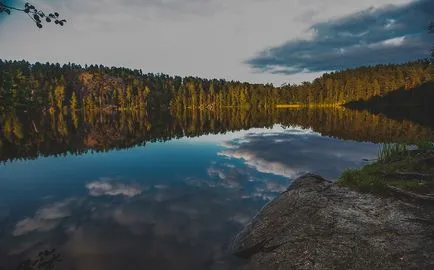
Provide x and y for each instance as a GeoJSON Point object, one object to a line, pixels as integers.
{"type": "Point", "coordinates": [165, 190]}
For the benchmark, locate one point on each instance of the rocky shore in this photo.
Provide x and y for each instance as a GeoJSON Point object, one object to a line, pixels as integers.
{"type": "Point", "coordinates": [316, 224]}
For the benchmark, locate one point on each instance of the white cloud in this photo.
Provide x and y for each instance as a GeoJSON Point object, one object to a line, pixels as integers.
{"type": "Point", "coordinates": [45, 219]}
{"type": "Point", "coordinates": [234, 149]}
{"type": "Point", "coordinates": [293, 152]}
{"type": "Point", "coordinates": [213, 171]}
{"type": "Point", "coordinates": [207, 38]}
{"type": "Point", "coordinates": [33, 224]}
{"type": "Point", "coordinates": [394, 41]}
{"type": "Point", "coordinates": [275, 186]}
{"type": "Point", "coordinates": [254, 160]}
{"type": "Point", "coordinates": [107, 187]}
{"type": "Point", "coordinates": [241, 218]}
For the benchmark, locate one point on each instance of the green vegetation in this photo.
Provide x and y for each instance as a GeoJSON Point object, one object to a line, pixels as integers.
{"type": "Point", "coordinates": [365, 179]}
{"type": "Point", "coordinates": [52, 87]}
{"type": "Point", "coordinates": [29, 135]}
{"type": "Point", "coordinates": [390, 151]}
{"type": "Point", "coordinates": [398, 170]}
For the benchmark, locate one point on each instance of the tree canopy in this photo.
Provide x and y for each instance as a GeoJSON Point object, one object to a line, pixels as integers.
{"type": "Point", "coordinates": [53, 87]}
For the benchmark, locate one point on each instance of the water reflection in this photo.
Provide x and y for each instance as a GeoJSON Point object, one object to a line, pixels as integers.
{"type": "Point", "coordinates": [124, 211]}
{"type": "Point", "coordinates": [88, 185]}
{"type": "Point", "coordinates": [29, 135]}
{"type": "Point", "coordinates": [108, 187]}
{"type": "Point", "coordinates": [292, 153]}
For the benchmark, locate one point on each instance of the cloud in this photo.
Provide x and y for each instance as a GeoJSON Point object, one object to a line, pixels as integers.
{"type": "Point", "coordinates": [45, 219]}
{"type": "Point", "coordinates": [291, 153]}
{"type": "Point", "coordinates": [206, 38]}
{"type": "Point", "coordinates": [241, 218]}
{"type": "Point", "coordinates": [108, 187]}
{"type": "Point", "coordinates": [260, 164]}
{"type": "Point", "coordinates": [191, 231]}
{"type": "Point", "coordinates": [390, 34]}
{"type": "Point", "coordinates": [274, 186]}
{"type": "Point", "coordinates": [216, 172]}
{"type": "Point", "coordinates": [34, 224]}
{"type": "Point", "coordinates": [229, 177]}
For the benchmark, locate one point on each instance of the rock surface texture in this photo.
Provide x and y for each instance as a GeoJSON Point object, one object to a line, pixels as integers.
{"type": "Point", "coordinates": [316, 224]}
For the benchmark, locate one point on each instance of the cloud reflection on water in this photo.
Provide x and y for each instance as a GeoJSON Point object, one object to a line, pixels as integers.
{"type": "Point", "coordinates": [107, 187]}
{"type": "Point", "coordinates": [46, 218]}
{"type": "Point", "coordinates": [293, 152]}
{"type": "Point", "coordinates": [184, 222]}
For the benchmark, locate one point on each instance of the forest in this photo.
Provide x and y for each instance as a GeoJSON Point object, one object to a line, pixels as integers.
{"type": "Point", "coordinates": [26, 136]}
{"type": "Point", "coordinates": [50, 109]}
{"type": "Point", "coordinates": [55, 87]}
{"type": "Point", "coordinates": [417, 108]}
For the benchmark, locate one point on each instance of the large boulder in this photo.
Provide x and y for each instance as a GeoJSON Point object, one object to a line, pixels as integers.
{"type": "Point", "coordinates": [317, 224]}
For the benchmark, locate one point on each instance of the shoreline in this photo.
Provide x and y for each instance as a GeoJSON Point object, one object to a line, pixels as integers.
{"type": "Point", "coordinates": [316, 224]}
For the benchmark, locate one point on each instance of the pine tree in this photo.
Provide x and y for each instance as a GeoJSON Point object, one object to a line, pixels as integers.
{"type": "Point", "coordinates": [59, 95]}
{"type": "Point", "coordinates": [74, 102]}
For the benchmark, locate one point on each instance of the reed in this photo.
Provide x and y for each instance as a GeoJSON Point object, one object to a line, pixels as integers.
{"type": "Point", "coordinates": [391, 151]}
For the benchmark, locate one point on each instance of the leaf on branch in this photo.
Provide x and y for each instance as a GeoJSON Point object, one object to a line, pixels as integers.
{"type": "Point", "coordinates": [6, 10]}
{"type": "Point", "coordinates": [38, 16]}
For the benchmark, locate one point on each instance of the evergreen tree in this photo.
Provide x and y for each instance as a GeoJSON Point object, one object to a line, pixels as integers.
{"type": "Point", "coordinates": [74, 102]}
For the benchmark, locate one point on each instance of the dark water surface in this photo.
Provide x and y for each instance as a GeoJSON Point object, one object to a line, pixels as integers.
{"type": "Point", "coordinates": [135, 192]}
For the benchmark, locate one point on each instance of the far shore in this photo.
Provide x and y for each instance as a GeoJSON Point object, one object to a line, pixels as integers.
{"type": "Point", "coordinates": [291, 106]}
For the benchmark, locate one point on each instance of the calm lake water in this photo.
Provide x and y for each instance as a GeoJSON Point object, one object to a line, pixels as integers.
{"type": "Point", "coordinates": [120, 193]}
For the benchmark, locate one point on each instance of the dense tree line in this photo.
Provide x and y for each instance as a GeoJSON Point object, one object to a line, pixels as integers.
{"type": "Point", "coordinates": [360, 83]}
{"type": "Point", "coordinates": [57, 87]}
{"type": "Point", "coordinates": [25, 136]}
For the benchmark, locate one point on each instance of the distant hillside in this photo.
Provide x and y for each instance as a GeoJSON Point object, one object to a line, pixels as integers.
{"type": "Point", "coordinates": [54, 87]}
{"type": "Point", "coordinates": [361, 83]}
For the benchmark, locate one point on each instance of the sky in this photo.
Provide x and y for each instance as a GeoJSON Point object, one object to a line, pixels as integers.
{"type": "Point", "coordinates": [272, 41]}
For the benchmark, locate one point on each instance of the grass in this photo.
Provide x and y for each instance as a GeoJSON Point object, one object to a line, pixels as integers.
{"type": "Point", "coordinates": [425, 145]}
{"type": "Point", "coordinates": [391, 151]}
{"type": "Point", "coordinates": [365, 180]}
{"type": "Point", "coordinates": [393, 159]}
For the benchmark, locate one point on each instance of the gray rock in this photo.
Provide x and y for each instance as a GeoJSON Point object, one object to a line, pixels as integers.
{"type": "Point", "coordinates": [316, 224]}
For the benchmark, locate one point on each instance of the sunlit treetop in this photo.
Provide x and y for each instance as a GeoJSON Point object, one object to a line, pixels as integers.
{"type": "Point", "coordinates": [39, 17]}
